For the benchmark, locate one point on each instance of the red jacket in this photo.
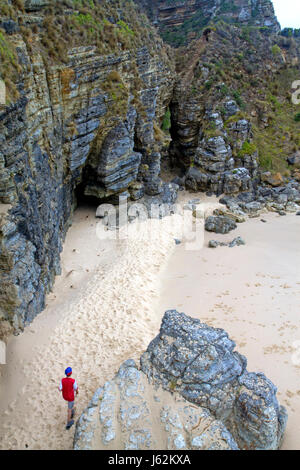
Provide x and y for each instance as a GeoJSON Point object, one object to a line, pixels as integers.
{"type": "Point", "coordinates": [68, 388]}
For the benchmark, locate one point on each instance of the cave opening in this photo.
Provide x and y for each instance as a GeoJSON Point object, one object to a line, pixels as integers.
{"type": "Point", "coordinates": [83, 200]}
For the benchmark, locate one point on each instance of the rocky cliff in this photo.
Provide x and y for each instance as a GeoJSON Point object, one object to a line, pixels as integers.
{"type": "Point", "coordinates": [179, 21]}
{"type": "Point", "coordinates": [81, 121]}
{"type": "Point", "coordinates": [188, 362]}
{"type": "Point", "coordinates": [88, 87]}
{"type": "Point", "coordinates": [232, 113]}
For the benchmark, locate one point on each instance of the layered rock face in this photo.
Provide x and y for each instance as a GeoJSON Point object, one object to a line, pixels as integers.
{"type": "Point", "coordinates": [181, 20]}
{"type": "Point", "coordinates": [188, 362]}
{"type": "Point", "coordinates": [217, 159]}
{"type": "Point", "coordinates": [200, 363]}
{"type": "Point", "coordinates": [86, 123]}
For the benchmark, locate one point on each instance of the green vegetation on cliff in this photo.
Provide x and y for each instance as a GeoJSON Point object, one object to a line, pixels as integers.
{"type": "Point", "coordinates": [279, 137]}
{"type": "Point", "coordinates": [256, 71]}
{"type": "Point", "coordinates": [52, 31]}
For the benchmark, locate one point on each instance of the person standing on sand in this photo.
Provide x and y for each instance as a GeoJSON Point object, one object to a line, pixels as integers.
{"type": "Point", "coordinates": [68, 386]}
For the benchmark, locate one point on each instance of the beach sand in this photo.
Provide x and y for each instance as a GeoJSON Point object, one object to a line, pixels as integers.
{"type": "Point", "coordinates": [108, 303]}
{"type": "Point", "coordinates": [101, 312]}
{"type": "Point", "coordinates": [252, 292]}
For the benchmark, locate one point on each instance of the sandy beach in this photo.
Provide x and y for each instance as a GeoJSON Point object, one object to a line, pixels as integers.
{"type": "Point", "coordinates": [108, 303]}
{"type": "Point", "coordinates": [100, 313]}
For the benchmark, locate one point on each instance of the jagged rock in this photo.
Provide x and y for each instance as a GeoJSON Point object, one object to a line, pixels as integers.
{"type": "Point", "coordinates": [128, 413]}
{"type": "Point", "coordinates": [273, 207]}
{"type": "Point", "coordinates": [272, 180]}
{"type": "Point", "coordinates": [251, 207]}
{"type": "Point", "coordinates": [212, 155]}
{"type": "Point", "coordinates": [230, 108]}
{"type": "Point", "coordinates": [284, 198]}
{"type": "Point", "coordinates": [246, 197]}
{"type": "Point", "coordinates": [215, 244]}
{"type": "Point", "coordinates": [292, 207]}
{"type": "Point", "coordinates": [215, 118]}
{"type": "Point", "coordinates": [192, 205]}
{"type": "Point", "coordinates": [237, 242]}
{"type": "Point", "coordinates": [118, 163]}
{"type": "Point", "coordinates": [219, 224]}
{"type": "Point", "coordinates": [180, 181]}
{"type": "Point", "coordinates": [200, 363]}
{"type": "Point", "coordinates": [154, 186]}
{"type": "Point", "coordinates": [237, 216]}
{"type": "Point", "coordinates": [241, 130]}
{"type": "Point", "coordinates": [195, 180]}
{"type": "Point", "coordinates": [237, 180]}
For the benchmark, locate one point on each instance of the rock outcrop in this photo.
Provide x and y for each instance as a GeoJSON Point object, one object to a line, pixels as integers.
{"type": "Point", "coordinates": [193, 392]}
{"type": "Point", "coordinates": [223, 135]}
{"type": "Point", "coordinates": [200, 363]}
{"type": "Point", "coordinates": [264, 199]}
{"type": "Point", "coordinates": [181, 20]}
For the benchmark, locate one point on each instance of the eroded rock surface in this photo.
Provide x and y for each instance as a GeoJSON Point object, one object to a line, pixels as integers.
{"type": "Point", "coordinates": [128, 413]}
{"type": "Point", "coordinates": [200, 363]}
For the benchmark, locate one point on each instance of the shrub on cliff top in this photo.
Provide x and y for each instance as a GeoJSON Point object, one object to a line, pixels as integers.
{"type": "Point", "coordinates": [297, 117]}
{"type": "Point", "coordinates": [114, 76]}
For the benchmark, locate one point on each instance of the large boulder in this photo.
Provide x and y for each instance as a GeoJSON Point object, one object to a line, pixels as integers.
{"type": "Point", "coordinates": [220, 224]}
{"type": "Point", "coordinates": [199, 362]}
{"type": "Point", "coordinates": [237, 180]}
{"type": "Point", "coordinates": [274, 180]}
